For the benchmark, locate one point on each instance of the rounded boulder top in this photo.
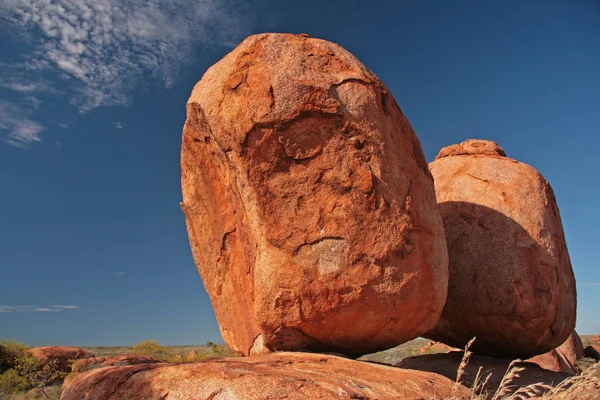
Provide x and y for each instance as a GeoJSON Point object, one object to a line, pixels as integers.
{"type": "Point", "coordinates": [472, 147]}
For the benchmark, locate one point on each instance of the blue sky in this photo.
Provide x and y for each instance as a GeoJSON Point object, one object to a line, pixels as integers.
{"type": "Point", "coordinates": [93, 246]}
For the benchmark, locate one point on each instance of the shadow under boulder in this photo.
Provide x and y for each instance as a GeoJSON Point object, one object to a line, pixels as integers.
{"type": "Point", "coordinates": [448, 364]}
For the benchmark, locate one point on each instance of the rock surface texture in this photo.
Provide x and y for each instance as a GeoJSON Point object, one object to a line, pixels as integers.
{"type": "Point", "coordinates": [309, 205]}
{"type": "Point", "coordinates": [563, 358]}
{"type": "Point", "coordinates": [511, 284]}
{"type": "Point", "coordinates": [63, 355]}
{"type": "Point", "coordinates": [274, 376]}
{"type": "Point", "coordinates": [87, 364]}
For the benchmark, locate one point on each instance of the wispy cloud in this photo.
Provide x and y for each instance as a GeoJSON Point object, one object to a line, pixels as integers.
{"type": "Point", "coordinates": [57, 308]}
{"type": "Point", "coordinates": [119, 125]}
{"type": "Point", "coordinates": [33, 101]}
{"type": "Point", "coordinates": [104, 49]}
{"type": "Point", "coordinates": [22, 86]}
{"type": "Point", "coordinates": [22, 131]}
{"type": "Point", "coordinates": [118, 273]}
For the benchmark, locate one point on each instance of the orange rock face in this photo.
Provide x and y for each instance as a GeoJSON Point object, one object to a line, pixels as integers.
{"type": "Point", "coordinates": [563, 358]}
{"type": "Point", "coordinates": [275, 376]}
{"type": "Point", "coordinates": [511, 284]}
{"type": "Point", "coordinates": [309, 205]}
{"type": "Point", "coordinates": [87, 364]}
{"type": "Point", "coordinates": [62, 354]}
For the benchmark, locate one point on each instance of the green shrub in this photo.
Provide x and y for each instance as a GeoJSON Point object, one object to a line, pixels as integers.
{"type": "Point", "coordinates": [14, 347]}
{"type": "Point", "coordinates": [38, 374]}
{"type": "Point", "coordinates": [153, 349]}
{"type": "Point", "coordinates": [9, 351]}
{"type": "Point", "coordinates": [223, 351]}
{"type": "Point", "coordinates": [11, 383]}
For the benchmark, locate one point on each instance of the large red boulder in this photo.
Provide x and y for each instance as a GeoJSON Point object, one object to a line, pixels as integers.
{"type": "Point", "coordinates": [511, 284]}
{"type": "Point", "coordinates": [63, 355]}
{"type": "Point", "coordinates": [274, 376]}
{"type": "Point", "coordinates": [310, 209]}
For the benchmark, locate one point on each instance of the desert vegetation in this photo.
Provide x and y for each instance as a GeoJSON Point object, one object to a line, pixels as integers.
{"type": "Point", "coordinates": [23, 376]}
{"type": "Point", "coordinates": [582, 386]}
{"type": "Point", "coordinates": [20, 373]}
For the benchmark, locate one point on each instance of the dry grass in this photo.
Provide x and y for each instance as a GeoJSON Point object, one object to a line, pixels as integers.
{"type": "Point", "coordinates": [585, 386]}
{"type": "Point", "coordinates": [204, 352]}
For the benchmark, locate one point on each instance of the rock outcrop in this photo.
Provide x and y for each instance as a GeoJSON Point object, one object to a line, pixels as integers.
{"type": "Point", "coordinates": [563, 358]}
{"type": "Point", "coordinates": [511, 284]}
{"type": "Point", "coordinates": [309, 205]}
{"type": "Point", "coordinates": [63, 355]}
{"type": "Point", "coordinates": [593, 351]}
{"type": "Point", "coordinates": [448, 364]}
{"type": "Point", "coordinates": [274, 376]}
{"type": "Point", "coordinates": [87, 364]}
{"type": "Point", "coordinates": [192, 355]}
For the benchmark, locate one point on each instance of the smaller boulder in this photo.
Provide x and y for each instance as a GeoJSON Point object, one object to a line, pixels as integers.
{"type": "Point", "coordinates": [593, 351]}
{"type": "Point", "coordinates": [87, 364]}
{"type": "Point", "coordinates": [563, 358]}
{"type": "Point", "coordinates": [192, 356]}
{"type": "Point", "coordinates": [555, 360]}
{"type": "Point", "coordinates": [64, 355]}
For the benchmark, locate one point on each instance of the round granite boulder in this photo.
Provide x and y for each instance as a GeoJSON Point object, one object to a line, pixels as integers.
{"type": "Point", "coordinates": [511, 284]}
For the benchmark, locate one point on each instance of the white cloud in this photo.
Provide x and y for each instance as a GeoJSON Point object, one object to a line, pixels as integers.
{"type": "Point", "coordinates": [104, 49]}
{"type": "Point", "coordinates": [21, 130]}
{"type": "Point", "coordinates": [113, 273]}
{"type": "Point", "coordinates": [119, 125]}
{"type": "Point", "coordinates": [22, 86]}
{"type": "Point", "coordinates": [9, 309]}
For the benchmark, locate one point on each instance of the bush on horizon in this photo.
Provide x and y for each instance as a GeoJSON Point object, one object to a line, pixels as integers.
{"type": "Point", "coordinates": [9, 351]}
{"type": "Point", "coordinates": [154, 349]}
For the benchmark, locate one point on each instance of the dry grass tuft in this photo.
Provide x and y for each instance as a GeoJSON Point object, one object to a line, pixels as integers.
{"type": "Point", "coordinates": [585, 386]}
